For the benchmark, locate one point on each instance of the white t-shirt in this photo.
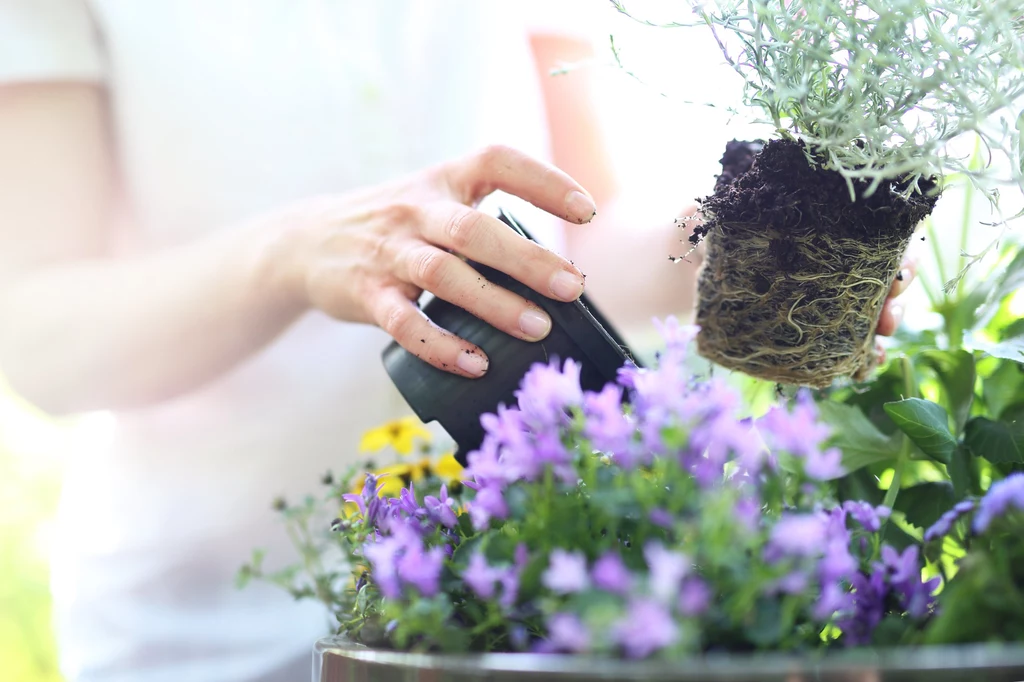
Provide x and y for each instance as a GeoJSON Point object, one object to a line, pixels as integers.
{"type": "Point", "coordinates": [221, 110]}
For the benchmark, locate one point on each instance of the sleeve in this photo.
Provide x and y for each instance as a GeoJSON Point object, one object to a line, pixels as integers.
{"type": "Point", "coordinates": [45, 40]}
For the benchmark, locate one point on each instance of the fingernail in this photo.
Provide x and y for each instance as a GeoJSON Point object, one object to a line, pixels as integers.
{"type": "Point", "coordinates": [580, 207]}
{"type": "Point", "coordinates": [896, 310]}
{"type": "Point", "coordinates": [904, 277]}
{"type": "Point", "coordinates": [566, 286]}
{"type": "Point", "coordinates": [534, 323]}
{"type": "Point", "coordinates": [472, 362]}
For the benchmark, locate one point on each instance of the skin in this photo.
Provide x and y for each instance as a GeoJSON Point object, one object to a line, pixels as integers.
{"type": "Point", "coordinates": [81, 299]}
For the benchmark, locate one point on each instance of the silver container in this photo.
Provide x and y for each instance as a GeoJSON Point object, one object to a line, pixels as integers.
{"type": "Point", "coordinates": [336, 660]}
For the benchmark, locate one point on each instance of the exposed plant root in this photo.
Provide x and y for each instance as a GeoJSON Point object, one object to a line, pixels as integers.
{"type": "Point", "coordinates": [794, 297]}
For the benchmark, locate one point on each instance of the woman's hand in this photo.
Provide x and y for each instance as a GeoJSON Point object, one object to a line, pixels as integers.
{"type": "Point", "coordinates": [367, 256]}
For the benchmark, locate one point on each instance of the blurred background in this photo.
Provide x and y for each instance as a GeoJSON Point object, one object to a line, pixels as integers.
{"type": "Point", "coordinates": [667, 148]}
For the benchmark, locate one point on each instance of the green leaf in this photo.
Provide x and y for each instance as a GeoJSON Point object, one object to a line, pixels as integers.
{"type": "Point", "coordinates": [998, 442]}
{"type": "Point", "coordinates": [926, 424]}
{"type": "Point", "coordinates": [765, 629]}
{"type": "Point", "coordinates": [861, 443]}
{"type": "Point", "coordinates": [960, 472]}
{"type": "Point", "coordinates": [1008, 349]}
{"type": "Point", "coordinates": [924, 503]}
{"type": "Point", "coordinates": [860, 485]}
{"type": "Point", "coordinates": [1003, 387]}
{"type": "Point", "coordinates": [956, 371]}
{"type": "Point", "coordinates": [895, 536]}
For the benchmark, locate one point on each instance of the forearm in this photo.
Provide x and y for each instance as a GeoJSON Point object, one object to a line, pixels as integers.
{"type": "Point", "coordinates": [626, 257]}
{"type": "Point", "coordinates": [127, 333]}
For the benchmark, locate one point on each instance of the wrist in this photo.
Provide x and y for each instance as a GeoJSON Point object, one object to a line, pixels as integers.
{"type": "Point", "coordinates": [273, 264]}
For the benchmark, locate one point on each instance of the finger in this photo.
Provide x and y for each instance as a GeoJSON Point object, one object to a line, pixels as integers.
{"type": "Point", "coordinates": [452, 279]}
{"type": "Point", "coordinates": [504, 168]}
{"type": "Point", "coordinates": [406, 324]}
{"type": "Point", "coordinates": [487, 240]}
{"type": "Point", "coordinates": [889, 321]}
{"type": "Point", "coordinates": [903, 279]}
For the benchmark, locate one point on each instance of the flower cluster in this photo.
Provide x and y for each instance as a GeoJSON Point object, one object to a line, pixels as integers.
{"type": "Point", "coordinates": [651, 518]}
{"type": "Point", "coordinates": [634, 520]}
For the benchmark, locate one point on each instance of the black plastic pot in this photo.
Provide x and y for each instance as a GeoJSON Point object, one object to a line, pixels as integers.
{"type": "Point", "coordinates": [578, 331]}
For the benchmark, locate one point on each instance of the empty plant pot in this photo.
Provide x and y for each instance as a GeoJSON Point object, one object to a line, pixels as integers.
{"type": "Point", "coordinates": [578, 331]}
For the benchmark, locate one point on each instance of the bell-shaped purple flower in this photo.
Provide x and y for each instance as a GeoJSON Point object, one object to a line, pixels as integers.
{"type": "Point", "coordinates": [441, 510]}
{"type": "Point", "coordinates": [566, 572]}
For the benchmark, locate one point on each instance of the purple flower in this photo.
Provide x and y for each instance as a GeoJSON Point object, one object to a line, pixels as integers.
{"type": "Point", "coordinates": [667, 569]}
{"type": "Point", "coordinates": [422, 569]}
{"type": "Point", "coordinates": [383, 557]}
{"type": "Point", "coordinates": [793, 582]}
{"type": "Point", "coordinates": [941, 528]}
{"type": "Point", "coordinates": [905, 578]}
{"type": "Point", "coordinates": [518, 637]}
{"type": "Point", "coordinates": [694, 597]}
{"type": "Point", "coordinates": [800, 433]}
{"type": "Point", "coordinates": [368, 500]}
{"type": "Point", "coordinates": [719, 438]}
{"type": "Point", "coordinates": [386, 554]}
{"type": "Point", "coordinates": [546, 393]}
{"type": "Point", "coordinates": [748, 511]}
{"type": "Point", "coordinates": [870, 518]}
{"type": "Point", "coordinates": [479, 576]}
{"type": "Point", "coordinates": [1001, 496]}
{"type": "Point", "coordinates": [482, 578]}
{"type": "Point", "coordinates": [677, 337]}
{"type": "Point", "coordinates": [661, 517]}
{"type": "Point", "coordinates": [799, 535]}
{"type": "Point", "coordinates": [566, 572]}
{"type": "Point", "coordinates": [546, 448]}
{"type": "Point", "coordinates": [484, 465]}
{"type": "Point", "coordinates": [608, 428]}
{"type": "Point", "coordinates": [647, 627]}
{"type": "Point", "coordinates": [509, 578]}
{"type": "Point", "coordinates": [824, 465]}
{"type": "Point", "coordinates": [611, 575]}
{"type": "Point", "coordinates": [489, 503]}
{"type": "Point", "coordinates": [834, 598]}
{"type": "Point", "coordinates": [567, 633]}
{"type": "Point", "coordinates": [407, 503]}
{"type": "Point", "coordinates": [440, 510]}
{"type": "Point", "coordinates": [836, 561]}
{"type": "Point", "coordinates": [869, 596]}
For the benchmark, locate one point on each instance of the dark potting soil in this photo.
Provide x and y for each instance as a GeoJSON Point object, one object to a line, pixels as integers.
{"type": "Point", "coordinates": [739, 156]}
{"type": "Point", "coordinates": [775, 185]}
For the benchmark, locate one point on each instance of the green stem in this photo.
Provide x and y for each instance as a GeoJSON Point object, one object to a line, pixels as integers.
{"type": "Point", "coordinates": [909, 391]}
{"type": "Point", "coordinates": [976, 163]}
{"type": "Point", "coordinates": [897, 475]}
{"type": "Point", "coordinates": [940, 262]}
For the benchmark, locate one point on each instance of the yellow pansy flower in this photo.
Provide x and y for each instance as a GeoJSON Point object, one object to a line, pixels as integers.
{"type": "Point", "coordinates": [399, 434]}
{"type": "Point", "coordinates": [447, 468]}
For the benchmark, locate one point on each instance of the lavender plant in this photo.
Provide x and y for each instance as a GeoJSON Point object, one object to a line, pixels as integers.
{"type": "Point", "coordinates": [648, 519]}
{"type": "Point", "coordinates": [877, 90]}
{"type": "Point", "coordinates": [867, 100]}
